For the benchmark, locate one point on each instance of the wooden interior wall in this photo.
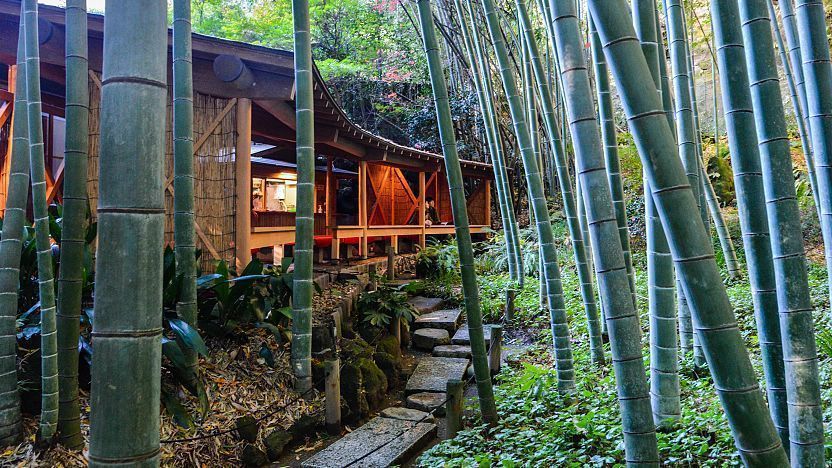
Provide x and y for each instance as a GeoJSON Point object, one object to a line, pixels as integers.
{"type": "Point", "coordinates": [390, 199]}
{"type": "Point", "coordinates": [476, 203]}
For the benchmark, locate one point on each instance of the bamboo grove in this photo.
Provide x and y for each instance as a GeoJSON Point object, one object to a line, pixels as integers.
{"type": "Point", "coordinates": [556, 83]}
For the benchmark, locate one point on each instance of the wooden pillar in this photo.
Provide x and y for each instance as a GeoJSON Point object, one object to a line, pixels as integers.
{"type": "Point", "coordinates": [391, 261]}
{"type": "Point", "coordinates": [242, 176]}
{"type": "Point", "coordinates": [422, 237]}
{"type": "Point", "coordinates": [7, 160]}
{"type": "Point", "coordinates": [487, 217]}
{"type": "Point", "coordinates": [362, 206]}
{"type": "Point", "coordinates": [329, 192]}
{"type": "Point", "coordinates": [332, 372]}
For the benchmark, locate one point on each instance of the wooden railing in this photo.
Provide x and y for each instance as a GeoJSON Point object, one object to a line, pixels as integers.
{"type": "Point", "coordinates": [265, 219]}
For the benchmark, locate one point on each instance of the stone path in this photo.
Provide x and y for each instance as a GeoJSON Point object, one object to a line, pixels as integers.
{"type": "Point", "coordinates": [399, 433]}
{"type": "Point", "coordinates": [381, 442]}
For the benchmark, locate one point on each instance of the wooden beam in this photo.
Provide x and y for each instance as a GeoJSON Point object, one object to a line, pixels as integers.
{"type": "Point", "coordinates": [285, 113]}
{"type": "Point", "coordinates": [242, 176]}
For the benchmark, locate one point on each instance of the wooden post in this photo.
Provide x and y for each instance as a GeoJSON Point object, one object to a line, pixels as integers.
{"type": "Point", "coordinates": [7, 160]}
{"type": "Point", "coordinates": [362, 206]}
{"type": "Point", "coordinates": [336, 320]}
{"type": "Point", "coordinates": [509, 310]}
{"type": "Point", "coordinates": [335, 254]}
{"type": "Point", "coordinates": [495, 351]}
{"type": "Point", "coordinates": [391, 262]}
{"type": "Point", "coordinates": [242, 176]}
{"type": "Point", "coordinates": [487, 217]}
{"type": "Point", "coordinates": [329, 192]}
{"type": "Point", "coordinates": [422, 236]}
{"type": "Point", "coordinates": [453, 407]}
{"type": "Point", "coordinates": [332, 370]}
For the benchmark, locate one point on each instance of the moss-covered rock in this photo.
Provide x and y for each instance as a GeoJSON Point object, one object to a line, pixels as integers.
{"type": "Point", "coordinates": [304, 427]}
{"type": "Point", "coordinates": [247, 428]}
{"type": "Point", "coordinates": [276, 443]}
{"type": "Point", "coordinates": [389, 345]}
{"type": "Point", "coordinates": [356, 349]}
{"type": "Point", "coordinates": [253, 456]}
{"type": "Point", "coordinates": [375, 383]}
{"type": "Point", "coordinates": [352, 391]}
{"type": "Point", "coordinates": [390, 366]}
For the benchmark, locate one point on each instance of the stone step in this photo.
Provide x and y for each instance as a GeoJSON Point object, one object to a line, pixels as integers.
{"type": "Point", "coordinates": [432, 374]}
{"type": "Point", "coordinates": [427, 402]}
{"type": "Point", "coordinates": [428, 338]}
{"type": "Point", "coordinates": [453, 351]}
{"type": "Point", "coordinates": [461, 336]}
{"type": "Point", "coordinates": [447, 319]}
{"type": "Point", "coordinates": [425, 305]}
{"type": "Point", "coordinates": [407, 414]}
{"type": "Point", "coordinates": [379, 443]}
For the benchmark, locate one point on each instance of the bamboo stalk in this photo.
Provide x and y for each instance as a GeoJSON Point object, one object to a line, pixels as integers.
{"type": "Point", "coordinates": [468, 274]}
{"type": "Point", "coordinates": [640, 443]}
{"type": "Point", "coordinates": [728, 359]}
{"type": "Point", "coordinates": [537, 203]}
{"type": "Point", "coordinates": [10, 247]}
{"type": "Point", "coordinates": [305, 217]}
{"type": "Point", "coordinates": [748, 177]}
{"type": "Point", "coordinates": [74, 227]}
{"type": "Point", "coordinates": [131, 213]}
{"type": "Point", "coordinates": [46, 278]}
{"type": "Point", "coordinates": [565, 182]}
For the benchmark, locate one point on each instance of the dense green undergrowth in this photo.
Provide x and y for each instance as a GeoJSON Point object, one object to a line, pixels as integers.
{"type": "Point", "coordinates": [539, 426]}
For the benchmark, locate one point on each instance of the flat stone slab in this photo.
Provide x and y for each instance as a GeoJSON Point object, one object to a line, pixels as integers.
{"type": "Point", "coordinates": [379, 443]}
{"type": "Point", "coordinates": [461, 336]}
{"type": "Point", "coordinates": [425, 305]}
{"type": "Point", "coordinates": [433, 373]}
{"type": "Point", "coordinates": [453, 351]}
{"type": "Point", "coordinates": [447, 319]}
{"type": "Point", "coordinates": [407, 414]}
{"type": "Point", "coordinates": [427, 401]}
{"type": "Point", "coordinates": [428, 338]}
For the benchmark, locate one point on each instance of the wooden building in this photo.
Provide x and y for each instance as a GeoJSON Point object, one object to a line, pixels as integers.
{"type": "Point", "coordinates": [368, 188]}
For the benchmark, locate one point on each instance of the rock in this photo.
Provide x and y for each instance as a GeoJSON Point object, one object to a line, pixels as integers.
{"type": "Point", "coordinates": [428, 338]}
{"type": "Point", "coordinates": [427, 402]}
{"type": "Point", "coordinates": [375, 383]}
{"type": "Point", "coordinates": [318, 375]}
{"type": "Point", "coordinates": [461, 337]}
{"type": "Point", "coordinates": [380, 443]}
{"type": "Point", "coordinates": [390, 345]}
{"type": "Point", "coordinates": [433, 373]}
{"type": "Point", "coordinates": [424, 305]}
{"type": "Point", "coordinates": [247, 428]}
{"type": "Point", "coordinates": [391, 367]}
{"type": "Point", "coordinates": [447, 319]}
{"type": "Point", "coordinates": [304, 427]}
{"type": "Point", "coordinates": [253, 456]}
{"type": "Point", "coordinates": [356, 348]}
{"type": "Point", "coordinates": [407, 414]}
{"type": "Point", "coordinates": [322, 338]}
{"type": "Point", "coordinates": [275, 443]}
{"type": "Point", "coordinates": [453, 351]}
{"type": "Point", "coordinates": [352, 390]}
